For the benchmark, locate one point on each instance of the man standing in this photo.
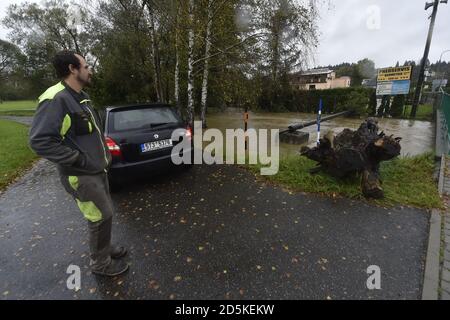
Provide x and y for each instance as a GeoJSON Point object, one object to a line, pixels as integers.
{"type": "Point", "coordinates": [67, 131]}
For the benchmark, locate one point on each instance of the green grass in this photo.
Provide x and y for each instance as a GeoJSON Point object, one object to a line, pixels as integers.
{"type": "Point", "coordinates": [18, 108]}
{"type": "Point", "coordinates": [424, 112]}
{"type": "Point", "coordinates": [406, 181]}
{"type": "Point", "coordinates": [15, 154]}
{"type": "Point", "coordinates": [18, 105]}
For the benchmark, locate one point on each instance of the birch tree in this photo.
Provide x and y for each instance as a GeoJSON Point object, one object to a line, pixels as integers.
{"type": "Point", "coordinates": [161, 50]}
{"type": "Point", "coordinates": [176, 93]}
{"type": "Point", "coordinates": [155, 54]}
{"type": "Point", "coordinates": [206, 65]}
{"type": "Point", "coordinates": [190, 89]}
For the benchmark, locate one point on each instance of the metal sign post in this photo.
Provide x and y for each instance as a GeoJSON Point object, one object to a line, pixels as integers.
{"type": "Point", "coordinates": [319, 115]}
{"type": "Point", "coordinates": [246, 125]}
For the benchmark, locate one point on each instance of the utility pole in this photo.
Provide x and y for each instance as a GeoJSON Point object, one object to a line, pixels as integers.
{"type": "Point", "coordinates": [421, 79]}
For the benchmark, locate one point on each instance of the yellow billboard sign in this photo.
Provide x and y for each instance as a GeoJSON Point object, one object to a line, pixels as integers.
{"type": "Point", "coordinates": [394, 74]}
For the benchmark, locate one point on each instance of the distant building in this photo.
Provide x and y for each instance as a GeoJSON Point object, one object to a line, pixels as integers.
{"type": "Point", "coordinates": [438, 83]}
{"type": "Point", "coordinates": [318, 79]}
{"type": "Point", "coordinates": [369, 83]}
{"type": "Point", "coordinates": [429, 75]}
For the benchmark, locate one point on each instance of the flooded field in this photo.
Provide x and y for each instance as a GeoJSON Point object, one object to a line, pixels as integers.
{"type": "Point", "coordinates": [417, 136]}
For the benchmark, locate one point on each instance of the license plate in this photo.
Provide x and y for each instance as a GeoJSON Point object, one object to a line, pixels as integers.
{"type": "Point", "coordinates": [155, 145]}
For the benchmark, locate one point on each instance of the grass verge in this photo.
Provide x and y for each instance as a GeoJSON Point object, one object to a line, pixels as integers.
{"type": "Point", "coordinates": [406, 181]}
{"type": "Point", "coordinates": [15, 154]}
{"type": "Point", "coordinates": [18, 108]}
{"type": "Point", "coordinates": [18, 105]}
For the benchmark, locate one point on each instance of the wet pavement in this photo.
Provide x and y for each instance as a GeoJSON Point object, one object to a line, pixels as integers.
{"type": "Point", "coordinates": [24, 120]}
{"type": "Point", "coordinates": [213, 232]}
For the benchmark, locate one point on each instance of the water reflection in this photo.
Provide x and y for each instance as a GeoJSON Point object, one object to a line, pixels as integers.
{"type": "Point", "coordinates": [417, 136]}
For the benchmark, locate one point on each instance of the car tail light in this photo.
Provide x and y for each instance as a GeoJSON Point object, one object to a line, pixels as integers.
{"type": "Point", "coordinates": [113, 147]}
{"type": "Point", "coordinates": [189, 132]}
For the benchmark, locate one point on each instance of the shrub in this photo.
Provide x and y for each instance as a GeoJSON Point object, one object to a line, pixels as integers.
{"type": "Point", "coordinates": [334, 100]}
{"type": "Point", "coordinates": [397, 106]}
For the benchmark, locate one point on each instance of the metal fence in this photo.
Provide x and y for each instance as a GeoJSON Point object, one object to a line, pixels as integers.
{"type": "Point", "coordinates": [442, 107]}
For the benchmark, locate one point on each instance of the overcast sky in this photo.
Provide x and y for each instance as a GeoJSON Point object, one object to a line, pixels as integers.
{"type": "Point", "coordinates": [351, 31]}
{"type": "Point", "coordinates": [385, 31]}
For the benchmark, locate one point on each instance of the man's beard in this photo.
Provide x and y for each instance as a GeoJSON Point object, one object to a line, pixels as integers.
{"type": "Point", "coordinates": [84, 83]}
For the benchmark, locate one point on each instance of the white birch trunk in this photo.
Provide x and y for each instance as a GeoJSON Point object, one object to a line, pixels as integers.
{"type": "Point", "coordinates": [190, 106]}
{"type": "Point", "coordinates": [155, 53]}
{"type": "Point", "coordinates": [206, 66]}
{"type": "Point", "coordinates": [177, 77]}
{"type": "Point", "coordinates": [176, 93]}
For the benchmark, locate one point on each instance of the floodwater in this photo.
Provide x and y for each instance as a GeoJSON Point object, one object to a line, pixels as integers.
{"type": "Point", "coordinates": [417, 136]}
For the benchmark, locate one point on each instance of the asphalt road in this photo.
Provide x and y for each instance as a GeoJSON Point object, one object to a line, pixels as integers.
{"type": "Point", "coordinates": [213, 232]}
{"type": "Point", "coordinates": [24, 120]}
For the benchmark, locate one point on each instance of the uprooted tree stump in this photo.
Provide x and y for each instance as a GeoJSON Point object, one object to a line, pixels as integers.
{"type": "Point", "coordinates": [359, 151]}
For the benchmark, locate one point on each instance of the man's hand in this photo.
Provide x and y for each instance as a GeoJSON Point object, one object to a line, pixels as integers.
{"type": "Point", "coordinates": [81, 161]}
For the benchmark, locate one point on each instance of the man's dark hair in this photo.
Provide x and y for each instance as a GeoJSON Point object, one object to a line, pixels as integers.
{"type": "Point", "coordinates": [62, 60]}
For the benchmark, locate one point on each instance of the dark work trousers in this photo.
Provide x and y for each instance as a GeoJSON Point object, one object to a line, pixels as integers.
{"type": "Point", "coordinates": [91, 192]}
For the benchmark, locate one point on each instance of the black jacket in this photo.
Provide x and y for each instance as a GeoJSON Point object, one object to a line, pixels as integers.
{"type": "Point", "coordinates": [67, 131]}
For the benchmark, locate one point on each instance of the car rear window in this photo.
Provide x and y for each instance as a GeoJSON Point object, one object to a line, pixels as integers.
{"type": "Point", "coordinates": [142, 118]}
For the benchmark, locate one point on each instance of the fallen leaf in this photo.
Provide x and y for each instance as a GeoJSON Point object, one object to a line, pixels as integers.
{"type": "Point", "coordinates": [154, 285]}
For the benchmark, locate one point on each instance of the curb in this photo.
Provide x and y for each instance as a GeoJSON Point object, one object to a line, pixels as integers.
{"type": "Point", "coordinates": [431, 278]}
{"type": "Point", "coordinates": [441, 176]}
